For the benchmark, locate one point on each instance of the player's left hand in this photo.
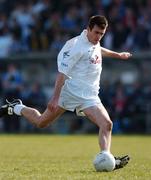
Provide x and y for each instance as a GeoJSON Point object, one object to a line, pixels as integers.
{"type": "Point", "coordinates": [125, 55]}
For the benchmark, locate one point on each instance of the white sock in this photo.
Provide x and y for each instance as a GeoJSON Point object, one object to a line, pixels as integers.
{"type": "Point", "coordinates": [18, 108]}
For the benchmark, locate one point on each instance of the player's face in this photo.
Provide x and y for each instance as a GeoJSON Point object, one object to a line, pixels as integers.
{"type": "Point", "coordinates": [95, 34]}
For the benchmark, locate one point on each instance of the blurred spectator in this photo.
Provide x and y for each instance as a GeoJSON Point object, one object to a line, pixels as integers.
{"type": "Point", "coordinates": [40, 6]}
{"type": "Point", "coordinates": [5, 43]}
{"type": "Point", "coordinates": [36, 97]}
{"type": "Point", "coordinates": [108, 39]}
{"type": "Point", "coordinates": [58, 43]}
{"type": "Point", "coordinates": [37, 39]}
{"type": "Point", "coordinates": [119, 100]}
{"type": "Point", "coordinates": [5, 36]}
{"type": "Point", "coordinates": [12, 78]}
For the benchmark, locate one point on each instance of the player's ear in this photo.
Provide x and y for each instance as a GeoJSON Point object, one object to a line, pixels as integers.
{"type": "Point", "coordinates": [88, 29]}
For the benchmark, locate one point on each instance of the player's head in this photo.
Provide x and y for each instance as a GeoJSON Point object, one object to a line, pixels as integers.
{"type": "Point", "coordinates": [96, 28]}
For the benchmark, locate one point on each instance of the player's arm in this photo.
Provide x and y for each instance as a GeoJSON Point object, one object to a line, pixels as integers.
{"type": "Point", "coordinates": [67, 58]}
{"type": "Point", "coordinates": [113, 54]}
{"type": "Point", "coordinates": [60, 80]}
{"type": "Point", "coordinates": [58, 84]}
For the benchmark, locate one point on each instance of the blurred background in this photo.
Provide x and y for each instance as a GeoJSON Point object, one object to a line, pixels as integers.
{"type": "Point", "coordinates": [32, 32]}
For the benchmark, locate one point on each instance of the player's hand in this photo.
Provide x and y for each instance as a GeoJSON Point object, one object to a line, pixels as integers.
{"type": "Point", "coordinates": [53, 104]}
{"type": "Point", "coordinates": [125, 55]}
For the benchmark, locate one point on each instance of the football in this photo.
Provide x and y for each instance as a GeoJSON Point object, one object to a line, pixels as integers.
{"type": "Point", "coordinates": [104, 161]}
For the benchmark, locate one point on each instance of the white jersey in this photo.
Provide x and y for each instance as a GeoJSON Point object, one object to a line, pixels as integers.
{"type": "Point", "coordinates": [81, 61]}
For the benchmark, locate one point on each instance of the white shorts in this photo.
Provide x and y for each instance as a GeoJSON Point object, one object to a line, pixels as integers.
{"type": "Point", "coordinates": [70, 102]}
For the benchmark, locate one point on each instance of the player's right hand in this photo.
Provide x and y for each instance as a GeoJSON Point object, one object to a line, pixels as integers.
{"type": "Point", "coordinates": [125, 55]}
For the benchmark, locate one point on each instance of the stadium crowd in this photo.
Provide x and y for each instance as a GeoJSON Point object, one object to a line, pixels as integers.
{"type": "Point", "coordinates": [45, 25]}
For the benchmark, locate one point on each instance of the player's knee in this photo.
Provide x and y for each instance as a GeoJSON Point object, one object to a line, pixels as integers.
{"type": "Point", "coordinates": [107, 125]}
{"type": "Point", "coordinates": [42, 124]}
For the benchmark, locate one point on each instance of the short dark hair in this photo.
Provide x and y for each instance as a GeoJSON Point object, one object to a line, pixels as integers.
{"type": "Point", "coordinates": [98, 20]}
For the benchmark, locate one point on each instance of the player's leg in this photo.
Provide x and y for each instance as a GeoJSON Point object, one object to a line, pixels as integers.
{"type": "Point", "coordinates": [100, 117]}
{"type": "Point", "coordinates": [41, 120]}
{"type": "Point", "coordinates": [31, 114]}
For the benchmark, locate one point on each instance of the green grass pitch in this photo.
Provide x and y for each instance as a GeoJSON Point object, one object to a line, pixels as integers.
{"type": "Point", "coordinates": [61, 157]}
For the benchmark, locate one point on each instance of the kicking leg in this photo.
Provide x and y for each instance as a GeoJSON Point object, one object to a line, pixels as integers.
{"type": "Point", "coordinates": [31, 114]}
{"type": "Point", "coordinates": [41, 120]}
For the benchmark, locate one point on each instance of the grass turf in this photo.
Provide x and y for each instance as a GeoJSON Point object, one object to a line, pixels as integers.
{"type": "Point", "coordinates": [54, 157]}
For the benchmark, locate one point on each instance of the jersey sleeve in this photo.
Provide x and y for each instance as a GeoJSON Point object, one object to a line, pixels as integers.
{"type": "Point", "coordinates": [68, 57]}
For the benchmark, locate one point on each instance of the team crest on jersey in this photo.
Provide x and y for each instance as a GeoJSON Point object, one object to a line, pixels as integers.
{"type": "Point", "coordinates": [95, 60]}
{"type": "Point", "coordinates": [66, 54]}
